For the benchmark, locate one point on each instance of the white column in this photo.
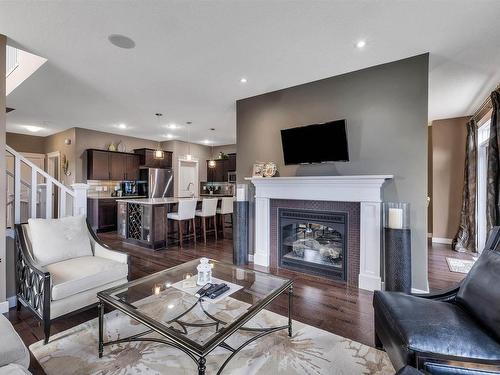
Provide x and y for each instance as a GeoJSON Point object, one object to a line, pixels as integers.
{"type": "Point", "coordinates": [262, 232]}
{"type": "Point", "coordinates": [4, 305]}
{"type": "Point", "coordinates": [370, 245]}
{"type": "Point", "coordinates": [80, 199]}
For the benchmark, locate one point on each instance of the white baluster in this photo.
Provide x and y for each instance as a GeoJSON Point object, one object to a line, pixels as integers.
{"type": "Point", "coordinates": [62, 203]}
{"type": "Point", "coordinates": [80, 199]}
{"type": "Point", "coordinates": [49, 204]}
{"type": "Point", "coordinates": [17, 190]}
{"type": "Point", "coordinates": [34, 184]}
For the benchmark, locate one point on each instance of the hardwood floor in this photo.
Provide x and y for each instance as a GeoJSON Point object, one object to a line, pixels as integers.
{"type": "Point", "coordinates": [440, 277]}
{"type": "Point", "coordinates": [319, 302]}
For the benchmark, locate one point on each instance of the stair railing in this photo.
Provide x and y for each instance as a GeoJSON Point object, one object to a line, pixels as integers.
{"type": "Point", "coordinates": [44, 192]}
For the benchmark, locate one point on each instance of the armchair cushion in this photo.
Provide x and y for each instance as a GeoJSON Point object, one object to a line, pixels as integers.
{"type": "Point", "coordinates": [14, 369]}
{"type": "Point", "coordinates": [12, 349]}
{"type": "Point", "coordinates": [102, 252]}
{"type": "Point", "coordinates": [480, 291]}
{"type": "Point", "coordinates": [414, 324]}
{"type": "Point", "coordinates": [55, 240]}
{"type": "Point", "coordinates": [77, 275]}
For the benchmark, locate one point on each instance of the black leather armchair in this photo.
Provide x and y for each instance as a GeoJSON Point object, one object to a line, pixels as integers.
{"type": "Point", "coordinates": [453, 332]}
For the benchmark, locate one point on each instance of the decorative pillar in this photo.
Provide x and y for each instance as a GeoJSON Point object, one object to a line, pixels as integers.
{"type": "Point", "coordinates": [240, 225]}
{"type": "Point", "coordinates": [262, 231]}
{"type": "Point", "coordinates": [370, 246]}
{"type": "Point", "coordinates": [4, 305]}
{"type": "Point", "coordinates": [80, 199]}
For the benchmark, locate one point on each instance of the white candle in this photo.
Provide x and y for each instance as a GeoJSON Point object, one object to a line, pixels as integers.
{"type": "Point", "coordinates": [157, 290]}
{"type": "Point", "coordinates": [395, 218]}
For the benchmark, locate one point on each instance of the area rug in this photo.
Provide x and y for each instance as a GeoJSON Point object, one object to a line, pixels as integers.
{"type": "Point", "coordinates": [459, 265]}
{"type": "Point", "coordinates": [309, 351]}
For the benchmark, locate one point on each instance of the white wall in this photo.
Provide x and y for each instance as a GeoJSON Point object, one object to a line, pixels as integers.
{"type": "Point", "coordinates": [180, 150]}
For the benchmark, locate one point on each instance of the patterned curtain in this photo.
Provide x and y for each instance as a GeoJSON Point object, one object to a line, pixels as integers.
{"type": "Point", "coordinates": [465, 239]}
{"type": "Point", "coordinates": [493, 186]}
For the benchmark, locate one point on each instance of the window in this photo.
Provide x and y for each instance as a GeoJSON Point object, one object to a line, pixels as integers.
{"type": "Point", "coordinates": [483, 135]}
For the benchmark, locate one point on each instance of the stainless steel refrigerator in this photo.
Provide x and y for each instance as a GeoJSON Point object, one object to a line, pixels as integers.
{"type": "Point", "coordinates": [157, 182]}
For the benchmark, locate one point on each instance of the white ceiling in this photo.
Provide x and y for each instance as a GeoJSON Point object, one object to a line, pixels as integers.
{"type": "Point", "coordinates": [190, 56]}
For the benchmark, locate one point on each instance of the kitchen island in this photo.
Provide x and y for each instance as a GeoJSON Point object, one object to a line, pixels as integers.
{"type": "Point", "coordinates": [143, 221]}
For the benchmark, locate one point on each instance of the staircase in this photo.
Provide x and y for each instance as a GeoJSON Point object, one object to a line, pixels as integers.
{"type": "Point", "coordinates": [40, 196]}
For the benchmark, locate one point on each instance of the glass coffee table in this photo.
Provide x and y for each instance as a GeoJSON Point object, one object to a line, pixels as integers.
{"type": "Point", "coordinates": [165, 303]}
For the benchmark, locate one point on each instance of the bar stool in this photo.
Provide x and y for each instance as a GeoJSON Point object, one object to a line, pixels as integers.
{"type": "Point", "coordinates": [186, 209]}
{"type": "Point", "coordinates": [208, 210]}
{"type": "Point", "coordinates": [226, 208]}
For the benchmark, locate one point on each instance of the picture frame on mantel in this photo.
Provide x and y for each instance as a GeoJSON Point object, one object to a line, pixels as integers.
{"type": "Point", "coordinates": [258, 169]}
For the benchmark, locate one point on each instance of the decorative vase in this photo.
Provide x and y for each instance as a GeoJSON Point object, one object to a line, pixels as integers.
{"type": "Point", "coordinates": [397, 241]}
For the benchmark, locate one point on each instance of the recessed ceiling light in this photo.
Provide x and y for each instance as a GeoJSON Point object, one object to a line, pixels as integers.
{"type": "Point", "coordinates": [33, 129]}
{"type": "Point", "coordinates": [172, 126]}
{"type": "Point", "coordinates": [121, 41]}
{"type": "Point", "coordinates": [243, 80]}
{"type": "Point", "coordinates": [122, 126]}
{"type": "Point", "coordinates": [169, 136]}
{"type": "Point", "coordinates": [361, 43]}
{"type": "Point", "coordinates": [206, 141]}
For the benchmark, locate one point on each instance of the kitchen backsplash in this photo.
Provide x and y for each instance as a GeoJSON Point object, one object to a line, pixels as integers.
{"type": "Point", "coordinates": [99, 189]}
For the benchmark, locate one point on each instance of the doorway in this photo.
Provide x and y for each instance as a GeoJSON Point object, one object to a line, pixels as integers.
{"type": "Point", "coordinates": [188, 178]}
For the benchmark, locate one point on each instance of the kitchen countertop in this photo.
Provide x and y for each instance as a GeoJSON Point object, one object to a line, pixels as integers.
{"type": "Point", "coordinates": [120, 198]}
{"type": "Point", "coordinates": [159, 201]}
{"type": "Point", "coordinates": [217, 195]}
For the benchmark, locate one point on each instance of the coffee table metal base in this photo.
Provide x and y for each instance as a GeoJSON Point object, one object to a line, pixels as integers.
{"type": "Point", "coordinates": [199, 360]}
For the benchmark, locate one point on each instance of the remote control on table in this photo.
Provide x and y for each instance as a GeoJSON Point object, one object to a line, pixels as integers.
{"type": "Point", "coordinates": [218, 292]}
{"type": "Point", "coordinates": [200, 293]}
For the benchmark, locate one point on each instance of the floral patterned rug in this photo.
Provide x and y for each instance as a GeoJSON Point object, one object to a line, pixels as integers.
{"type": "Point", "coordinates": [309, 351]}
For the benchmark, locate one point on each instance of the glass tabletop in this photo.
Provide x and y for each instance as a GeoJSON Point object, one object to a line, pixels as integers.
{"type": "Point", "coordinates": [166, 300]}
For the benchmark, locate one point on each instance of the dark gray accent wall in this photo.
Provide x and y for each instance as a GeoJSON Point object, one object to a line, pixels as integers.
{"type": "Point", "coordinates": [386, 111]}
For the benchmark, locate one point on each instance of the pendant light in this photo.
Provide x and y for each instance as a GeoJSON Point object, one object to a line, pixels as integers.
{"type": "Point", "coordinates": [158, 153]}
{"type": "Point", "coordinates": [189, 156]}
{"type": "Point", "coordinates": [211, 162]}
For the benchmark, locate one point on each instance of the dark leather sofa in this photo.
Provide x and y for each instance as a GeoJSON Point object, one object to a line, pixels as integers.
{"type": "Point", "coordinates": [453, 332]}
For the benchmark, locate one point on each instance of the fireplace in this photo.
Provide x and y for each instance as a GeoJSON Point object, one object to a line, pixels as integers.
{"type": "Point", "coordinates": [313, 242]}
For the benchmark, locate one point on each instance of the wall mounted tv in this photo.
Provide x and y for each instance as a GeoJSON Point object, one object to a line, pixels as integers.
{"type": "Point", "coordinates": [316, 143]}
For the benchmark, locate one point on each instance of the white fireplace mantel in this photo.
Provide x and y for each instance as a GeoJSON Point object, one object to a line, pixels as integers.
{"type": "Point", "coordinates": [366, 189]}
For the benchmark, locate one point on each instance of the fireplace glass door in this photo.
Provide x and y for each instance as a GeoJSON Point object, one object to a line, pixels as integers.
{"type": "Point", "coordinates": [314, 242]}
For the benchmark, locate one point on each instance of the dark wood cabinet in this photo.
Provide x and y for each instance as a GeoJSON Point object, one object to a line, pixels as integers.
{"type": "Point", "coordinates": [111, 165]}
{"type": "Point", "coordinates": [116, 166]}
{"type": "Point", "coordinates": [132, 163]}
{"type": "Point", "coordinates": [97, 165]}
{"type": "Point", "coordinates": [210, 173]}
{"type": "Point", "coordinates": [148, 160]}
{"type": "Point", "coordinates": [231, 165]}
{"type": "Point", "coordinates": [219, 173]}
{"type": "Point", "coordinates": [102, 214]}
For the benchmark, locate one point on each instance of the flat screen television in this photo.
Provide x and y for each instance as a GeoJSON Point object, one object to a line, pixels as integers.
{"type": "Point", "coordinates": [316, 143]}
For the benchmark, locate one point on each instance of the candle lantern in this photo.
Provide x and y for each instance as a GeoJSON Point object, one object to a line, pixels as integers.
{"type": "Point", "coordinates": [204, 272]}
{"type": "Point", "coordinates": [397, 246]}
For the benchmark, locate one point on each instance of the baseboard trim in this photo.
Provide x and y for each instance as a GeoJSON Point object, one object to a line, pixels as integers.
{"type": "Point", "coordinates": [446, 241]}
{"type": "Point", "coordinates": [4, 307]}
{"type": "Point", "coordinates": [12, 301]}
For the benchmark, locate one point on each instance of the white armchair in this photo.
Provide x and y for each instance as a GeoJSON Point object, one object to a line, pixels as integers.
{"type": "Point", "coordinates": [58, 272]}
{"type": "Point", "coordinates": [14, 356]}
